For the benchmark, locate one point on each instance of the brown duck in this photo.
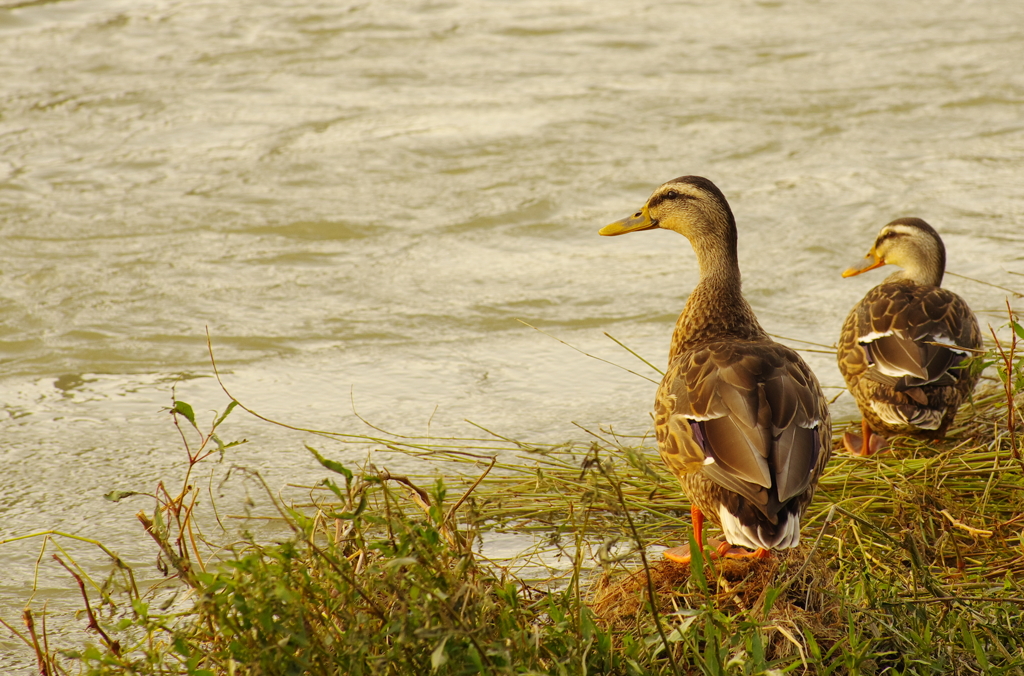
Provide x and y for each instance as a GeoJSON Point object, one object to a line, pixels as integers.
{"type": "Point", "coordinates": [902, 345]}
{"type": "Point", "coordinates": [740, 419]}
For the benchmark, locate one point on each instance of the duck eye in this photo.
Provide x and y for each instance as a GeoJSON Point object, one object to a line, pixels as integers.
{"type": "Point", "coordinates": [671, 195]}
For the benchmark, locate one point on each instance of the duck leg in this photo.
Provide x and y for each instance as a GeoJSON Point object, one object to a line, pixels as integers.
{"type": "Point", "coordinates": [682, 553]}
{"type": "Point", "coordinates": [720, 549]}
{"type": "Point", "coordinates": [866, 444]}
{"type": "Point", "coordinates": [697, 518]}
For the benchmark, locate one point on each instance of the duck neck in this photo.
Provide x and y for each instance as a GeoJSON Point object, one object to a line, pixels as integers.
{"type": "Point", "coordinates": [716, 307]}
{"type": "Point", "coordinates": [926, 274]}
{"type": "Point", "coordinates": [923, 264]}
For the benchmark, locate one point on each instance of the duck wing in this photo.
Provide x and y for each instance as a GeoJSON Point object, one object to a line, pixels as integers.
{"type": "Point", "coordinates": [913, 335]}
{"type": "Point", "coordinates": [749, 415]}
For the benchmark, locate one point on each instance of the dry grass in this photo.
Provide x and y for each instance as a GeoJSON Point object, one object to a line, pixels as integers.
{"type": "Point", "coordinates": [809, 602]}
{"type": "Point", "coordinates": [912, 563]}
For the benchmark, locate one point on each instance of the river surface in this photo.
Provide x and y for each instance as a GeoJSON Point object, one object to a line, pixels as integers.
{"type": "Point", "coordinates": [361, 200]}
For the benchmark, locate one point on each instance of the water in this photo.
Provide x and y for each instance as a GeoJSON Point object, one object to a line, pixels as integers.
{"type": "Point", "coordinates": [361, 200]}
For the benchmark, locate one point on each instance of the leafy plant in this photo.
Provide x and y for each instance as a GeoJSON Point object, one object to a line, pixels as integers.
{"type": "Point", "coordinates": [912, 565]}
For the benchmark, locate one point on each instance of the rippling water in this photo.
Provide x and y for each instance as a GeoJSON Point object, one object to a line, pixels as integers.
{"type": "Point", "coordinates": [361, 199]}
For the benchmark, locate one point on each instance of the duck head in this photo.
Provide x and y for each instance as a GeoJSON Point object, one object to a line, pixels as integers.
{"type": "Point", "coordinates": [693, 206]}
{"type": "Point", "coordinates": [910, 244]}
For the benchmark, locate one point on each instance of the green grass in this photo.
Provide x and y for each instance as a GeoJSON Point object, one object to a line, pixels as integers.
{"type": "Point", "coordinates": [912, 562]}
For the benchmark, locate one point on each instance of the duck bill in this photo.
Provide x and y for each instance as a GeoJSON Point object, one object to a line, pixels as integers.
{"type": "Point", "coordinates": [870, 262]}
{"type": "Point", "coordinates": [641, 220]}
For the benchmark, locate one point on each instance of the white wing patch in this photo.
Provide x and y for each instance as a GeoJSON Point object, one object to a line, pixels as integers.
{"type": "Point", "coordinates": [873, 336]}
{"type": "Point", "coordinates": [949, 343]}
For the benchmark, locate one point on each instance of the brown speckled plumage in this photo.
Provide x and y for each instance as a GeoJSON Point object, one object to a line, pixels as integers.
{"type": "Point", "coordinates": [740, 419]}
{"type": "Point", "coordinates": [904, 380]}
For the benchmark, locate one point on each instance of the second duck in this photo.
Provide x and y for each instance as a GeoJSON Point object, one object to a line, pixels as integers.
{"type": "Point", "coordinates": [902, 347]}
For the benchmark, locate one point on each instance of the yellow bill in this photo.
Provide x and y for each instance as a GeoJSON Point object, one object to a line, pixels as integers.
{"type": "Point", "coordinates": [641, 220]}
{"type": "Point", "coordinates": [870, 262]}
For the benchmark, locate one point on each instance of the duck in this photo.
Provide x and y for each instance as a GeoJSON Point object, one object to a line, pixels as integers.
{"type": "Point", "coordinates": [902, 347]}
{"type": "Point", "coordinates": [740, 420]}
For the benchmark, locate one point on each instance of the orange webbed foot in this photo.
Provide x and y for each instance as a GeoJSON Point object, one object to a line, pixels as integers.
{"type": "Point", "coordinates": [854, 443]}
{"type": "Point", "coordinates": [678, 554]}
{"type": "Point", "coordinates": [727, 551]}
{"type": "Point", "coordinates": [719, 550]}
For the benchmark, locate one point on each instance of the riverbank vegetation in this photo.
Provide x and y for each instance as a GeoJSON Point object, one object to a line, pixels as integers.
{"type": "Point", "coordinates": [912, 562]}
